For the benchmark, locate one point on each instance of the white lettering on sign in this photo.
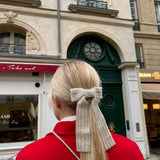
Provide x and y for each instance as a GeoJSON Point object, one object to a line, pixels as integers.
{"type": "Point", "coordinates": [146, 75]}
{"type": "Point", "coordinates": [30, 69]}
{"type": "Point", "coordinates": [4, 116]}
{"type": "Point", "coordinates": [156, 75]}
{"type": "Point", "coordinates": [15, 67]}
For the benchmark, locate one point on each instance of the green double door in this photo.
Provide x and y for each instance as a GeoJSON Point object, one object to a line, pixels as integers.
{"type": "Point", "coordinates": [104, 58]}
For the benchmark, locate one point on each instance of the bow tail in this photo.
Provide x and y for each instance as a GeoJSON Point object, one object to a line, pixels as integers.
{"type": "Point", "coordinates": [82, 126]}
{"type": "Point", "coordinates": [104, 132]}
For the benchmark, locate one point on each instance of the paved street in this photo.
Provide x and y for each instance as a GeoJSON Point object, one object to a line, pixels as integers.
{"type": "Point", "coordinates": [155, 154]}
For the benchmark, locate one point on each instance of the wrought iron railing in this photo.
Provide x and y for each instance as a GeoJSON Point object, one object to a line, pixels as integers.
{"type": "Point", "coordinates": [158, 25]}
{"type": "Point", "coordinates": [12, 48]}
{"type": "Point", "coordinates": [136, 25]}
{"type": "Point", "coordinates": [141, 64]}
{"type": "Point", "coordinates": [93, 3]}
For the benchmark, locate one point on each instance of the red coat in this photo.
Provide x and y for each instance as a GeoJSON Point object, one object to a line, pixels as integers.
{"type": "Point", "coordinates": [51, 148]}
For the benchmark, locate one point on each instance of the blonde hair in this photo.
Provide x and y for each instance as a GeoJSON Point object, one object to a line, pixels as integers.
{"type": "Point", "coordinates": [78, 74]}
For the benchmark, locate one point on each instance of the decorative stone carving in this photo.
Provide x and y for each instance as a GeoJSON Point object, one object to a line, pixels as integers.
{"type": "Point", "coordinates": [33, 45]}
{"type": "Point", "coordinates": [93, 51]}
{"type": "Point", "coordinates": [10, 16]}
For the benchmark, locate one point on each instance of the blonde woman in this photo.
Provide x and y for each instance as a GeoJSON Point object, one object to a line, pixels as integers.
{"type": "Point", "coordinates": [82, 132]}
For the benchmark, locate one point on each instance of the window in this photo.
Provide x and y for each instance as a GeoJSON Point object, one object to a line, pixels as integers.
{"type": "Point", "coordinates": [157, 10]}
{"type": "Point", "coordinates": [12, 43]}
{"type": "Point", "coordinates": [18, 118]}
{"type": "Point", "coordinates": [134, 14]}
{"type": "Point", "coordinates": [152, 117]}
{"type": "Point", "coordinates": [139, 55]}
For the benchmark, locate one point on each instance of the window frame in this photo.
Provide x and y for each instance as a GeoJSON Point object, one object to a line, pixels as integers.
{"type": "Point", "coordinates": [141, 61]}
{"type": "Point", "coordinates": [157, 13]}
{"type": "Point", "coordinates": [12, 35]}
{"type": "Point", "coordinates": [135, 17]}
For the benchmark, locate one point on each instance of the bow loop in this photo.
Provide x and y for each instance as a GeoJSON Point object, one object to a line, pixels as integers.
{"type": "Point", "coordinates": [78, 93]}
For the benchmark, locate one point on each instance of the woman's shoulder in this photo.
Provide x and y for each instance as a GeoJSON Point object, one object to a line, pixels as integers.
{"type": "Point", "coordinates": [124, 148]}
{"type": "Point", "coordinates": [121, 140]}
{"type": "Point", "coordinates": [35, 148]}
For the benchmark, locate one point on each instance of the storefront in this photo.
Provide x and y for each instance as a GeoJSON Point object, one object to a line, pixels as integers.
{"type": "Point", "coordinates": [24, 112]}
{"type": "Point", "coordinates": [150, 84]}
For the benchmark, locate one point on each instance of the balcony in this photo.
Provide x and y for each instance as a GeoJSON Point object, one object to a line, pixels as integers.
{"type": "Point", "coordinates": [8, 48]}
{"type": "Point", "coordinates": [27, 3]}
{"type": "Point", "coordinates": [93, 3]}
{"type": "Point", "coordinates": [136, 26]}
{"type": "Point", "coordinates": [93, 7]}
{"type": "Point", "coordinates": [158, 25]}
{"type": "Point", "coordinates": [141, 64]}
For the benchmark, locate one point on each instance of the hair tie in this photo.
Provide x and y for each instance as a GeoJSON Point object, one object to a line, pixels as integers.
{"type": "Point", "coordinates": [83, 141]}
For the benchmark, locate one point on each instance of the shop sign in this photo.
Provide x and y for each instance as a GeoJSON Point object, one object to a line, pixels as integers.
{"type": "Point", "coordinates": [4, 116]}
{"type": "Point", "coordinates": [14, 67]}
{"type": "Point", "coordinates": [149, 75]}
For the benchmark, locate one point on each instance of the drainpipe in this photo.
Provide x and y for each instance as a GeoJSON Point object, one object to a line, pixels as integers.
{"type": "Point", "coordinates": [59, 27]}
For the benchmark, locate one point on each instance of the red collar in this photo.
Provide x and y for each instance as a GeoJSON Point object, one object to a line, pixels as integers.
{"type": "Point", "coordinates": [65, 127]}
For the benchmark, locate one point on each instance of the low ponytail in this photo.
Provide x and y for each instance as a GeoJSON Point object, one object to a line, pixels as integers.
{"type": "Point", "coordinates": [97, 148]}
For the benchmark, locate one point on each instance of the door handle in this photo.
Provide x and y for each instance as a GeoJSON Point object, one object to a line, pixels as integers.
{"type": "Point", "coordinates": [111, 126]}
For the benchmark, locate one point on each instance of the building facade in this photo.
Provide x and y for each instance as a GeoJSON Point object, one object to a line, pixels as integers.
{"type": "Point", "coordinates": [147, 37]}
{"type": "Point", "coordinates": [38, 36]}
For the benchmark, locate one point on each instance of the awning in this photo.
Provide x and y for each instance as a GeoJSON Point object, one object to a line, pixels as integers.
{"type": "Point", "coordinates": [28, 67]}
{"type": "Point", "coordinates": [150, 91]}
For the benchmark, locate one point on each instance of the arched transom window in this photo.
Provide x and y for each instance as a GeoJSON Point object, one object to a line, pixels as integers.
{"type": "Point", "coordinates": [12, 43]}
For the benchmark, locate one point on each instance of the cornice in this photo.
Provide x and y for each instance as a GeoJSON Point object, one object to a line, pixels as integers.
{"type": "Point", "coordinates": [29, 10]}
{"type": "Point", "coordinates": [33, 59]}
{"type": "Point", "coordinates": [97, 19]}
{"type": "Point", "coordinates": [128, 64]}
{"type": "Point", "coordinates": [49, 13]}
{"type": "Point", "coordinates": [139, 34]}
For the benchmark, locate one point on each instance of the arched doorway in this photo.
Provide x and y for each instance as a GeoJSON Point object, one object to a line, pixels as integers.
{"type": "Point", "coordinates": [105, 59]}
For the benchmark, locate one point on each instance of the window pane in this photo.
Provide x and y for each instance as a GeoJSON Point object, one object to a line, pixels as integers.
{"type": "Point", "coordinates": [5, 37]}
{"type": "Point", "coordinates": [138, 53]}
{"type": "Point", "coordinates": [157, 10]}
{"type": "Point", "coordinates": [4, 42]}
{"type": "Point", "coordinates": [18, 118]}
{"type": "Point", "coordinates": [19, 39]}
{"type": "Point", "coordinates": [133, 9]}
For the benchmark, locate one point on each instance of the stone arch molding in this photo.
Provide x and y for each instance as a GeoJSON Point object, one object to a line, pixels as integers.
{"type": "Point", "coordinates": [34, 42]}
{"type": "Point", "coordinates": [105, 35]}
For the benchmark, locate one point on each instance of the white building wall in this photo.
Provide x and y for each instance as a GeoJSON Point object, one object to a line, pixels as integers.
{"type": "Point", "coordinates": [134, 108]}
{"type": "Point", "coordinates": [42, 23]}
{"type": "Point", "coordinates": [123, 6]}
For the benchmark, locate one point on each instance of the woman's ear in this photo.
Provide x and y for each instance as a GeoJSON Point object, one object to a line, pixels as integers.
{"type": "Point", "coordinates": [56, 106]}
{"type": "Point", "coordinates": [56, 101]}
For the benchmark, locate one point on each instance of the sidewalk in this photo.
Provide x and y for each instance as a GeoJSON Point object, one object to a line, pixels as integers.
{"type": "Point", "coordinates": [155, 154]}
